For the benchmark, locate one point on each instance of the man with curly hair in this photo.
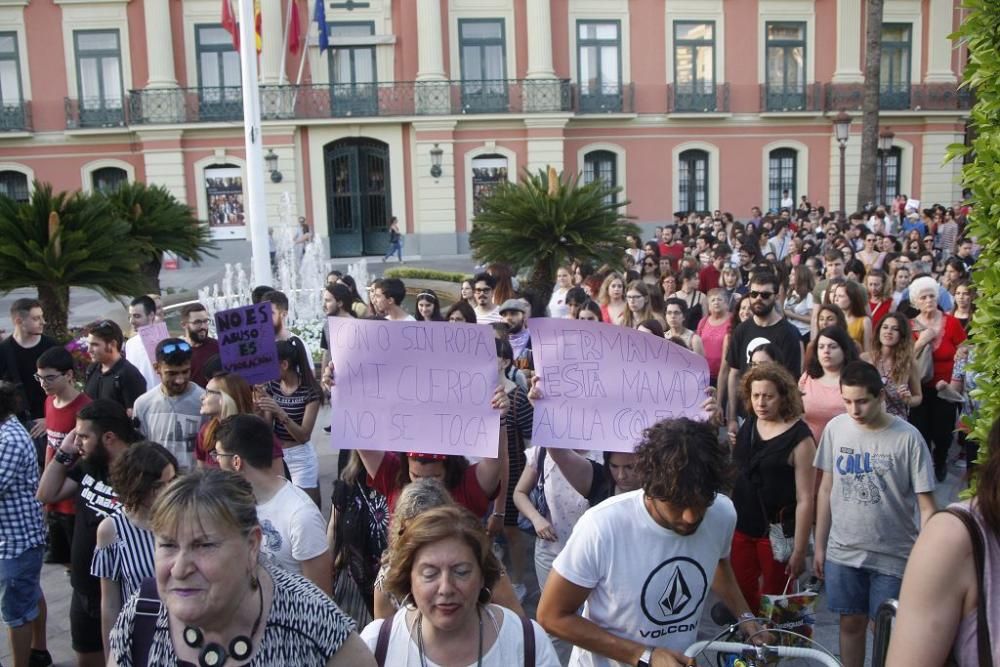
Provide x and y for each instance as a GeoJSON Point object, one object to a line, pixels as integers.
{"type": "Point", "coordinates": [641, 563]}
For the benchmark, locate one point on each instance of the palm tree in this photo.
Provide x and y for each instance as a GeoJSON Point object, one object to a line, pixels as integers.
{"type": "Point", "coordinates": [159, 223]}
{"type": "Point", "coordinates": [544, 222]}
{"type": "Point", "coordinates": [870, 104]}
{"type": "Point", "coordinates": [57, 241]}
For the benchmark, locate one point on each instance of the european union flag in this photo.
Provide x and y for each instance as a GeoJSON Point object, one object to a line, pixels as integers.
{"type": "Point", "coordinates": [319, 15]}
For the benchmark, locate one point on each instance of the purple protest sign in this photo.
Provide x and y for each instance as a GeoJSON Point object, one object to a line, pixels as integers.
{"type": "Point", "coordinates": [414, 386]}
{"type": "Point", "coordinates": [246, 342]}
{"type": "Point", "coordinates": [151, 335]}
{"type": "Point", "coordinates": [603, 385]}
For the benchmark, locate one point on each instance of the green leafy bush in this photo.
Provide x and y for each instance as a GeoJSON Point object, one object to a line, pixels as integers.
{"type": "Point", "coordinates": [414, 273]}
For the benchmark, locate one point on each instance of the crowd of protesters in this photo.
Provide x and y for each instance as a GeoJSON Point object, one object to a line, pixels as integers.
{"type": "Point", "coordinates": [185, 504]}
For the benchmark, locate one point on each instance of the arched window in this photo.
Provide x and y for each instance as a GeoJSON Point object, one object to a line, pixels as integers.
{"type": "Point", "coordinates": [14, 184]}
{"type": "Point", "coordinates": [488, 172]}
{"type": "Point", "coordinates": [892, 166]}
{"type": "Point", "coordinates": [692, 171]}
{"type": "Point", "coordinates": [781, 170]}
{"type": "Point", "coordinates": [601, 165]}
{"type": "Point", "coordinates": [108, 179]}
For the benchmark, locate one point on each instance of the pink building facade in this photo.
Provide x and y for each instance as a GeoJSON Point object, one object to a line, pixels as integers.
{"type": "Point", "coordinates": [420, 106]}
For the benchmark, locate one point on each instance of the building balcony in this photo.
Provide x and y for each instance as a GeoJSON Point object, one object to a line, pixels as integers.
{"type": "Point", "coordinates": [15, 117]}
{"type": "Point", "coordinates": [94, 112]}
{"type": "Point", "coordinates": [357, 100]}
{"type": "Point", "coordinates": [903, 97]}
{"type": "Point", "coordinates": [794, 97]}
{"type": "Point", "coordinates": [606, 98]}
{"type": "Point", "coordinates": [689, 98]}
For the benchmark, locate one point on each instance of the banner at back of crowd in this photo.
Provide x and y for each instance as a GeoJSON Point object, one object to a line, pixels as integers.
{"type": "Point", "coordinates": [414, 386]}
{"type": "Point", "coordinates": [603, 385]}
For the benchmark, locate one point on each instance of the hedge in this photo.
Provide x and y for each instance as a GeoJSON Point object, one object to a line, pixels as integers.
{"type": "Point", "coordinates": [426, 274]}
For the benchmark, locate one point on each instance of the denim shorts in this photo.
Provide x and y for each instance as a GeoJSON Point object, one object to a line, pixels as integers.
{"type": "Point", "coordinates": [857, 590]}
{"type": "Point", "coordinates": [20, 587]}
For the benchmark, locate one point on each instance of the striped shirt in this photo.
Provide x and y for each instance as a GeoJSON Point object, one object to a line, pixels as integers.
{"type": "Point", "coordinates": [129, 559]}
{"type": "Point", "coordinates": [293, 404]}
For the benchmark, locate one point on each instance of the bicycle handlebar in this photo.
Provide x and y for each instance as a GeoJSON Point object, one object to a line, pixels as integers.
{"type": "Point", "coordinates": [780, 651]}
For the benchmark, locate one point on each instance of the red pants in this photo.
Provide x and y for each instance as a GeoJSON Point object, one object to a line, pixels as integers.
{"type": "Point", "coordinates": [752, 561]}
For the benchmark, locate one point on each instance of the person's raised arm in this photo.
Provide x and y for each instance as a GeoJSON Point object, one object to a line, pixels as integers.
{"type": "Point", "coordinates": [54, 484]}
{"type": "Point", "coordinates": [939, 589]}
{"type": "Point", "coordinates": [576, 468]}
{"type": "Point", "coordinates": [557, 614]}
{"type": "Point", "coordinates": [489, 471]}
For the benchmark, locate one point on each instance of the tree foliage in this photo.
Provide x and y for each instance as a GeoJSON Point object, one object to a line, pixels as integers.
{"type": "Point", "coordinates": [545, 221]}
{"type": "Point", "coordinates": [57, 241]}
{"type": "Point", "coordinates": [160, 223]}
{"type": "Point", "coordinates": [980, 33]}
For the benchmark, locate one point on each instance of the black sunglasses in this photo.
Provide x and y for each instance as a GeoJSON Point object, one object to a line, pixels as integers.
{"type": "Point", "coordinates": [763, 295]}
{"type": "Point", "coordinates": [179, 346]}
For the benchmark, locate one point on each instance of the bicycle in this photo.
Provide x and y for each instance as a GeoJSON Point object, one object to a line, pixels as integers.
{"type": "Point", "coordinates": [729, 653]}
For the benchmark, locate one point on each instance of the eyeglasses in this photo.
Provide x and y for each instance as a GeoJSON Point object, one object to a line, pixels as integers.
{"type": "Point", "coordinates": [179, 346]}
{"type": "Point", "coordinates": [215, 455]}
{"type": "Point", "coordinates": [46, 379]}
{"type": "Point", "coordinates": [754, 294]}
{"type": "Point", "coordinates": [199, 323]}
{"type": "Point", "coordinates": [482, 290]}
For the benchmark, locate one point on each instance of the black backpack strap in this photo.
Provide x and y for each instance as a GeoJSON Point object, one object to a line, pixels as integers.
{"type": "Point", "coordinates": [382, 645]}
{"type": "Point", "coordinates": [984, 648]}
{"type": "Point", "coordinates": [147, 611]}
{"type": "Point", "coordinates": [529, 641]}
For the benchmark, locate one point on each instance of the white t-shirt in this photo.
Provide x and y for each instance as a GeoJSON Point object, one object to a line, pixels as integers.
{"type": "Point", "coordinates": [488, 316]}
{"type": "Point", "coordinates": [294, 530]}
{"type": "Point", "coordinates": [506, 651]}
{"type": "Point", "coordinates": [648, 583]}
{"type": "Point", "coordinates": [135, 354]}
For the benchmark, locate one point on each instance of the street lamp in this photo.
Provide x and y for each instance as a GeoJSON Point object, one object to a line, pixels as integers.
{"type": "Point", "coordinates": [436, 155]}
{"type": "Point", "coordinates": [271, 165]}
{"type": "Point", "coordinates": [885, 138]}
{"type": "Point", "coordinates": [842, 128]}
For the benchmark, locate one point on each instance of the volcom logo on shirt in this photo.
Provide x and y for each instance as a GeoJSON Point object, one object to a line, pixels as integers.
{"type": "Point", "coordinates": [674, 591]}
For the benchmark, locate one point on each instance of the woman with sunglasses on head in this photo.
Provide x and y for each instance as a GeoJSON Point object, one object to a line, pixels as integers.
{"type": "Point", "coordinates": [292, 402]}
{"type": "Point", "coordinates": [124, 553]}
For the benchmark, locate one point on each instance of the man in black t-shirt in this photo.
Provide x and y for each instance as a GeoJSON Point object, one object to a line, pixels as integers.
{"type": "Point", "coordinates": [81, 467]}
{"type": "Point", "coordinates": [767, 325]}
{"type": "Point", "coordinates": [111, 375]}
{"type": "Point", "coordinates": [19, 354]}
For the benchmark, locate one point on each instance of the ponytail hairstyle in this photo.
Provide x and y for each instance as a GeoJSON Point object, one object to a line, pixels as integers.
{"type": "Point", "coordinates": [294, 352]}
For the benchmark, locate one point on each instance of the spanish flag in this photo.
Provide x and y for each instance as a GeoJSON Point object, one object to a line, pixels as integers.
{"type": "Point", "coordinates": [231, 25]}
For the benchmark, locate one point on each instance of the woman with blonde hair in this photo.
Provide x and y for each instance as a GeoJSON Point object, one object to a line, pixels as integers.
{"type": "Point", "coordinates": [891, 352]}
{"type": "Point", "coordinates": [611, 297]}
{"type": "Point", "coordinates": [639, 305]}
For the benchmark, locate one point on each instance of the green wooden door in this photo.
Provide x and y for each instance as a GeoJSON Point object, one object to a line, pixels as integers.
{"type": "Point", "coordinates": [358, 197]}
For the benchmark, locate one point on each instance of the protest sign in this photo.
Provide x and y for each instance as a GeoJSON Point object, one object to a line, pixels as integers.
{"type": "Point", "coordinates": [603, 385]}
{"type": "Point", "coordinates": [414, 386]}
{"type": "Point", "coordinates": [247, 345]}
{"type": "Point", "coordinates": [151, 335]}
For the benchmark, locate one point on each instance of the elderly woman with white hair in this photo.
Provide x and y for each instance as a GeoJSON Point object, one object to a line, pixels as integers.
{"type": "Point", "coordinates": [935, 417]}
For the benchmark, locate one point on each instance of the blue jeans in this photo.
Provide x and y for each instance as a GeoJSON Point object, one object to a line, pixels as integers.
{"type": "Point", "coordinates": [20, 590]}
{"type": "Point", "coordinates": [857, 590]}
{"type": "Point", "coordinates": [395, 248]}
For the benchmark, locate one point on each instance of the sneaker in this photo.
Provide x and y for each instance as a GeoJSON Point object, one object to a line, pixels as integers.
{"type": "Point", "coordinates": [39, 658]}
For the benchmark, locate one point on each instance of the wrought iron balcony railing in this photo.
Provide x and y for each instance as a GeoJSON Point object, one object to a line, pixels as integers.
{"type": "Point", "coordinates": [94, 112]}
{"type": "Point", "coordinates": [605, 98]}
{"type": "Point", "coordinates": [921, 97]}
{"type": "Point", "coordinates": [192, 105]}
{"type": "Point", "coordinates": [795, 97]}
{"type": "Point", "coordinates": [15, 116]}
{"type": "Point", "coordinates": [697, 98]}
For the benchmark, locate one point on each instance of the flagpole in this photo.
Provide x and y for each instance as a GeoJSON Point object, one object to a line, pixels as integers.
{"type": "Point", "coordinates": [284, 42]}
{"type": "Point", "coordinates": [302, 60]}
{"type": "Point", "coordinates": [256, 215]}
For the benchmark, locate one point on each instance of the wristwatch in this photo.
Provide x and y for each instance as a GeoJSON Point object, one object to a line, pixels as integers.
{"type": "Point", "coordinates": [64, 457]}
{"type": "Point", "coordinates": [747, 616]}
{"type": "Point", "coordinates": [645, 659]}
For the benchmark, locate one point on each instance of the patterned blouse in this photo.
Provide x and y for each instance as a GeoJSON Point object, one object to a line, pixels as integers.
{"type": "Point", "coordinates": [304, 628]}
